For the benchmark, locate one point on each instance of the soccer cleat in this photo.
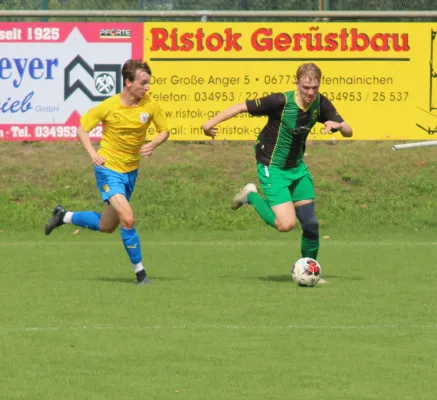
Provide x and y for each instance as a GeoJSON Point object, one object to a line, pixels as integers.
{"type": "Point", "coordinates": [323, 281]}
{"type": "Point", "coordinates": [145, 281]}
{"type": "Point", "coordinates": [241, 198]}
{"type": "Point", "coordinates": [56, 219]}
{"type": "Point", "coordinates": [142, 278]}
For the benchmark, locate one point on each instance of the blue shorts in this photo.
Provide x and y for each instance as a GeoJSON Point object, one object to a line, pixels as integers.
{"type": "Point", "coordinates": [110, 182]}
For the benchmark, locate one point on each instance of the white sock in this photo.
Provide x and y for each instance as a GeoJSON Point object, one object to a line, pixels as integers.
{"type": "Point", "coordinates": [138, 267]}
{"type": "Point", "coordinates": [68, 217]}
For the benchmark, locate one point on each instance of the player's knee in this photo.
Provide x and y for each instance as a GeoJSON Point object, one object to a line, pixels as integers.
{"type": "Point", "coordinates": [285, 225]}
{"type": "Point", "coordinates": [107, 229]}
{"type": "Point", "coordinates": [308, 221]}
{"type": "Point", "coordinates": [310, 229]}
{"type": "Point", "coordinates": [108, 225]}
{"type": "Point", "coordinates": [127, 221]}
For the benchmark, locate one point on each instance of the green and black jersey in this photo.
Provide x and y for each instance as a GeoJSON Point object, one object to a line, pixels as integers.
{"type": "Point", "coordinates": [281, 142]}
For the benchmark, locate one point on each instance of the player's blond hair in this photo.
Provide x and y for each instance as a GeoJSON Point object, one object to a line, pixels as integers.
{"type": "Point", "coordinates": [310, 70]}
{"type": "Point", "coordinates": [130, 68]}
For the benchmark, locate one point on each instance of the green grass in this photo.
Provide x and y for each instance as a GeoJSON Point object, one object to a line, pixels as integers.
{"type": "Point", "coordinates": [222, 318]}
{"type": "Point", "coordinates": [359, 186]}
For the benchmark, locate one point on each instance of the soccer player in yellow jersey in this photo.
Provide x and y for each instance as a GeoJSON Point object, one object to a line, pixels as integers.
{"type": "Point", "coordinates": [125, 117]}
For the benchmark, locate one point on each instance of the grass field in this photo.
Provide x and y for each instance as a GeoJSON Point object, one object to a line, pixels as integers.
{"type": "Point", "coordinates": [222, 318]}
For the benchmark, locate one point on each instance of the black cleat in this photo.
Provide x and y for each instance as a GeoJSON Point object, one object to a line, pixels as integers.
{"type": "Point", "coordinates": [56, 219]}
{"type": "Point", "coordinates": [142, 278]}
{"type": "Point", "coordinates": [145, 281]}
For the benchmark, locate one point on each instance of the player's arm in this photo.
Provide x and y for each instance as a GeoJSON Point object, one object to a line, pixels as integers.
{"type": "Point", "coordinates": [147, 149]}
{"type": "Point", "coordinates": [262, 106]}
{"type": "Point", "coordinates": [209, 127]}
{"type": "Point", "coordinates": [344, 128]}
{"type": "Point", "coordinates": [87, 123]}
{"type": "Point", "coordinates": [161, 126]}
{"type": "Point", "coordinates": [332, 119]}
{"type": "Point", "coordinates": [85, 141]}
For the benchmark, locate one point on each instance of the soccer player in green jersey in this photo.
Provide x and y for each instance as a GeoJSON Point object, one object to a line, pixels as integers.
{"type": "Point", "coordinates": [284, 177]}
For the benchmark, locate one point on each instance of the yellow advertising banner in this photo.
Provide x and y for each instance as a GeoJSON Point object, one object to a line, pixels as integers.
{"type": "Point", "coordinates": [381, 77]}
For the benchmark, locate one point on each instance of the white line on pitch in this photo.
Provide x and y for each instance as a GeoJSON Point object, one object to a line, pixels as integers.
{"type": "Point", "coordinates": [215, 327]}
{"type": "Point", "coordinates": [212, 243]}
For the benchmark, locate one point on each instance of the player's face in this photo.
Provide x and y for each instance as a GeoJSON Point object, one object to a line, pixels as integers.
{"type": "Point", "coordinates": [141, 84]}
{"type": "Point", "coordinates": [308, 89]}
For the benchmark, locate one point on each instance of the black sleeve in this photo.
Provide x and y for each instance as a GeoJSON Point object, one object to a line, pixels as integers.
{"type": "Point", "coordinates": [266, 105]}
{"type": "Point", "coordinates": [328, 111]}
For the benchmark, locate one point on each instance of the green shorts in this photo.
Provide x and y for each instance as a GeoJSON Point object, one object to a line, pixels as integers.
{"type": "Point", "coordinates": [284, 185]}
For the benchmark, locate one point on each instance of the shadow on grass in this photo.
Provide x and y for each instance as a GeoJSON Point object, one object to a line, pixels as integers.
{"type": "Point", "coordinates": [287, 278]}
{"type": "Point", "coordinates": [132, 281]}
{"type": "Point", "coordinates": [276, 278]}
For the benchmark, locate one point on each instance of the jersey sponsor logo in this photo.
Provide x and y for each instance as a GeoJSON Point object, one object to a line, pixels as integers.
{"type": "Point", "coordinates": [144, 117]}
{"type": "Point", "coordinates": [106, 188]}
{"type": "Point", "coordinates": [300, 130]}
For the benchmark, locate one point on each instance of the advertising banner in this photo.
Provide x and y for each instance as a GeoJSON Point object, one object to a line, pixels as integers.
{"type": "Point", "coordinates": [382, 77]}
{"type": "Point", "coordinates": [52, 73]}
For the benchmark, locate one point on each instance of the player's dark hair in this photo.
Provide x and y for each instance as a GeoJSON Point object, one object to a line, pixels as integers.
{"type": "Point", "coordinates": [130, 68]}
{"type": "Point", "coordinates": [309, 69]}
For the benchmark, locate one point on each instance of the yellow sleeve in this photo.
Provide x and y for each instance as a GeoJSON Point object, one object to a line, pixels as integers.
{"type": "Point", "coordinates": [160, 120]}
{"type": "Point", "coordinates": [94, 116]}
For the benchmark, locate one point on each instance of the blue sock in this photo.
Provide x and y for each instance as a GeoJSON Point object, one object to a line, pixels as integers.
{"type": "Point", "coordinates": [87, 219]}
{"type": "Point", "coordinates": [132, 245]}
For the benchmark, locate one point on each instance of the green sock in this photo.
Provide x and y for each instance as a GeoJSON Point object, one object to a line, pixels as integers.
{"type": "Point", "coordinates": [262, 208]}
{"type": "Point", "coordinates": [309, 248]}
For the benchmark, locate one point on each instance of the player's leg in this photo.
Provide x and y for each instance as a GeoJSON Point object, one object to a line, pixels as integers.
{"type": "Point", "coordinates": [84, 219]}
{"type": "Point", "coordinates": [129, 235]}
{"type": "Point", "coordinates": [249, 195]}
{"type": "Point", "coordinates": [262, 208]}
{"type": "Point", "coordinates": [310, 243]}
{"type": "Point", "coordinates": [285, 216]}
{"type": "Point", "coordinates": [285, 190]}
{"type": "Point", "coordinates": [106, 222]}
{"type": "Point", "coordinates": [119, 190]}
{"type": "Point", "coordinates": [303, 198]}
{"type": "Point", "coordinates": [108, 182]}
{"type": "Point", "coordinates": [109, 220]}
{"type": "Point", "coordinates": [277, 209]}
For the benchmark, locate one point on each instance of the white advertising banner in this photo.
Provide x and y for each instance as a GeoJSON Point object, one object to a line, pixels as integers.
{"type": "Point", "coordinates": [51, 74]}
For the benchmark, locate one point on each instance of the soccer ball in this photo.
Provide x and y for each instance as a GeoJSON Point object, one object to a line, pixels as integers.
{"type": "Point", "coordinates": [306, 272]}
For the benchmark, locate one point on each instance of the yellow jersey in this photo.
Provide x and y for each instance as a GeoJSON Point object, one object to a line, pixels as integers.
{"type": "Point", "coordinates": [124, 129]}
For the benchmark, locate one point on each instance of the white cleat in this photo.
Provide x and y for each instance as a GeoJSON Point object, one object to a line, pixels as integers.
{"type": "Point", "coordinates": [322, 282]}
{"type": "Point", "coordinates": [241, 198]}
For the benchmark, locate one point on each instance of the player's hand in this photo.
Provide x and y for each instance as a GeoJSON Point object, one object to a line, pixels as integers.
{"type": "Point", "coordinates": [147, 150]}
{"type": "Point", "coordinates": [98, 160]}
{"type": "Point", "coordinates": [330, 125]}
{"type": "Point", "coordinates": [210, 131]}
